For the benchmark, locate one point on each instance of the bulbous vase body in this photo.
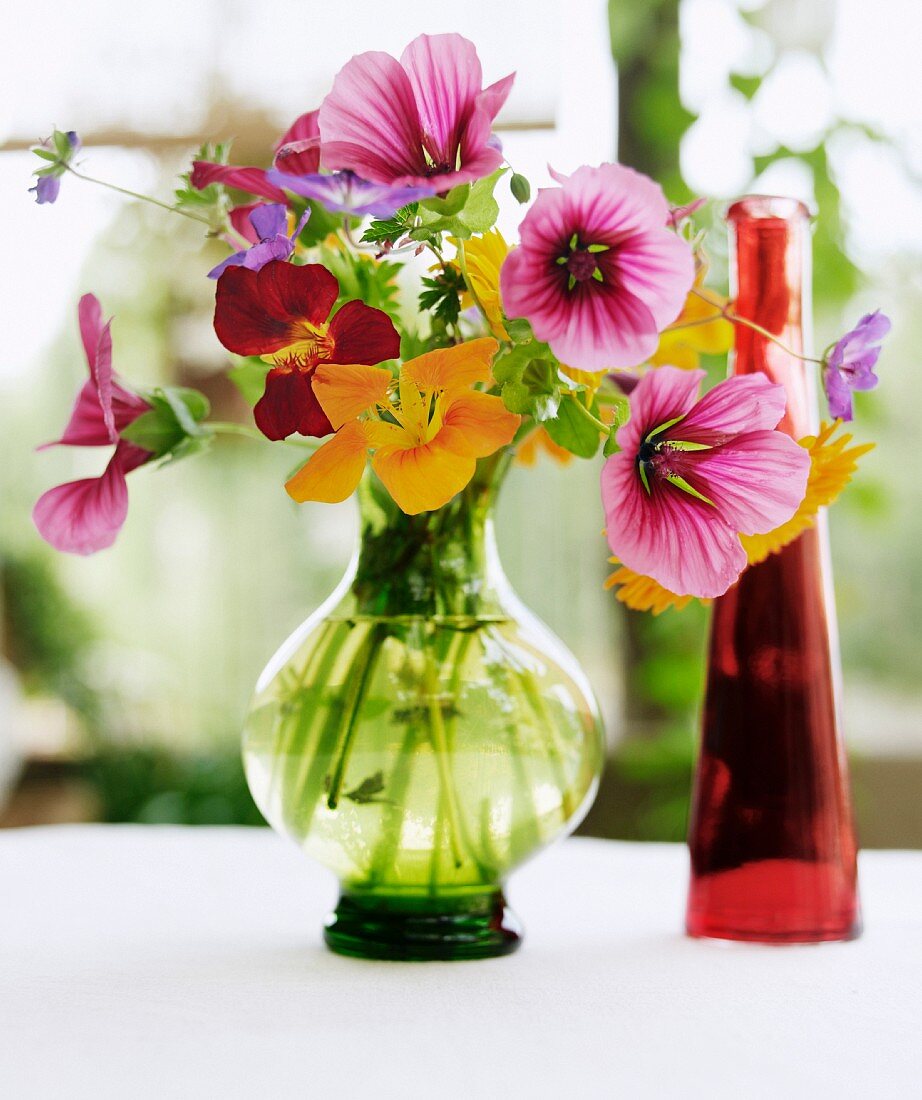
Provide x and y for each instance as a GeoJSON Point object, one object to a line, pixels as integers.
{"type": "Point", "coordinates": [422, 734]}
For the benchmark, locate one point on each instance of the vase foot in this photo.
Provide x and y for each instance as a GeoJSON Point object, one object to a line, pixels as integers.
{"type": "Point", "coordinates": [470, 926]}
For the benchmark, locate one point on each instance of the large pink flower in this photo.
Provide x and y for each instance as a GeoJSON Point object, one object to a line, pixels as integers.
{"type": "Point", "coordinates": [693, 475]}
{"type": "Point", "coordinates": [423, 119]}
{"type": "Point", "coordinates": [84, 516]}
{"type": "Point", "coordinates": [598, 274]}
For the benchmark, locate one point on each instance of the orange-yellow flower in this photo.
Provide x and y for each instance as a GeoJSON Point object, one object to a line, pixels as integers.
{"type": "Point", "coordinates": [698, 329]}
{"type": "Point", "coordinates": [483, 257]}
{"type": "Point", "coordinates": [426, 431]}
{"type": "Point", "coordinates": [832, 464]}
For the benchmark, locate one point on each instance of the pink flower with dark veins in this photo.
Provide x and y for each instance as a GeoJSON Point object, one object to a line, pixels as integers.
{"type": "Point", "coordinates": [420, 121]}
{"type": "Point", "coordinates": [598, 273]}
{"type": "Point", "coordinates": [692, 475]}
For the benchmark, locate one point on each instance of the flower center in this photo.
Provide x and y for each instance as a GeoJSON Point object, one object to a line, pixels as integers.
{"type": "Point", "coordinates": [581, 262]}
{"type": "Point", "coordinates": [310, 345]}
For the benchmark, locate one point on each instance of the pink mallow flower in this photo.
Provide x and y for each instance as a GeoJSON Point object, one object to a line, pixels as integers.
{"type": "Point", "coordinates": [692, 475]}
{"type": "Point", "coordinates": [425, 119]}
{"type": "Point", "coordinates": [598, 273]}
{"type": "Point", "coordinates": [84, 516]}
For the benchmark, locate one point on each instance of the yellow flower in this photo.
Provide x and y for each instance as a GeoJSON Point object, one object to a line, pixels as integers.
{"type": "Point", "coordinates": [426, 432]}
{"type": "Point", "coordinates": [483, 258]}
{"type": "Point", "coordinates": [642, 593]}
{"type": "Point", "coordinates": [832, 464]}
{"type": "Point", "coordinates": [691, 334]}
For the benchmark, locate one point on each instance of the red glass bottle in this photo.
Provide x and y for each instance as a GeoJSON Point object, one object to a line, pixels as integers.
{"type": "Point", "coordinates": [772, 843]}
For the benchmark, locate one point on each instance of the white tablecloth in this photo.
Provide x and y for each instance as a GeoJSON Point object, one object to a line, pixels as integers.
{"type": "Point", "coordinates": [142, 962]}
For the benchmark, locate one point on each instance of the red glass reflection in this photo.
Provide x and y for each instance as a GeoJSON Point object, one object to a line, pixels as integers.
{"type": "Point", "coordinates": [772, 843]}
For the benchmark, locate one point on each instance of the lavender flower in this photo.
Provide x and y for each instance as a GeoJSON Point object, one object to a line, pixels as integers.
{"type": "Point", "coordinates": [270, 220]}
{"type": "Point", "coordinates": [347, 193]}
{"type": "Point", "coordinates": [850, 364]}
{"type": "Point", "coordinates": [59, 150]}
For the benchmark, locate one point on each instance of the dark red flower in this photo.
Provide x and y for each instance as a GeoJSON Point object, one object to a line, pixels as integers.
{"type": "Point", "coordinates": [282, 313]}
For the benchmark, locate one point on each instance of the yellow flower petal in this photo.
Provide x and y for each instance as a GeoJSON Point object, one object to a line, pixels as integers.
{"type": "Point", "coordinates": [476, 425]}
{"type": "Point", "coordinates": [423, 478]}
{"type": "Point", "coordinates": [346, 390]}
{"type": "Point", "coordinates": [642, 593]}
{"type": "Point", "coordinates": [334, 470]}
{"type": "Point", "coordinates": [453, 369]}
{"type": "Point", "coordinates": [697, 329]}
{"type": "Point", "coordinates": [483, 257]}
{"type": "Point", "coordinates": [832, 464]}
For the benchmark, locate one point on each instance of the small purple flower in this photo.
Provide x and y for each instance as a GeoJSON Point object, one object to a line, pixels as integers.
{"type": "Point", "coordinates": [850, 364]}
{"type": "Point", "coordinates": [46, 188]}
{"type": "Point", "coordinates": [60, 150]}
{"type": "Point", "coordinates": [347, 193]}
{"type": "Point", "coordinates": [270, 220]}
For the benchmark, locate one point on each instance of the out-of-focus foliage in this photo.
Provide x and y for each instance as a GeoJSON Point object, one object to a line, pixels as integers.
{"type": "Point", "coordinates": [46, 635]}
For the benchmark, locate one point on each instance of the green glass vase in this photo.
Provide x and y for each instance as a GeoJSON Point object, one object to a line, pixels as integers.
{"type": "Point", "coordinates": [422, 734]}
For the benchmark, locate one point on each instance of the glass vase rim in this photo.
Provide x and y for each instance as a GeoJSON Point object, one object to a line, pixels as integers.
{"type": "Point", "coordinates": [758, 207]}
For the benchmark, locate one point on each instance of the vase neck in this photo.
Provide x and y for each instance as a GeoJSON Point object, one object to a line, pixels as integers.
{"type": "Point", "coordinates": [440, 564]}
{"type": "Point", "coordinates": [770, 273]}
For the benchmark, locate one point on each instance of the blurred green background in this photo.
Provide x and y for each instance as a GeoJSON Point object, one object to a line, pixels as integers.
{"type": "Point", "coordinates": [124, 677]}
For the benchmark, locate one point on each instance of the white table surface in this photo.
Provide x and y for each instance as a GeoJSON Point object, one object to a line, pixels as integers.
{"type": "Point", "coordinates": [159, 962]}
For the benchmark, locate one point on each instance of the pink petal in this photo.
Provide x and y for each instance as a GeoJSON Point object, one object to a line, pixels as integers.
{"type": "Point", "coordinates": [611, 200]}
{"type": "Point", "coordinates": [298, 149]}
{"type": "Point", "coordinates": [445, 75]}
{"type": "Point", "coordinates": [369, 122]}
{"type": "Point", "coordinates": [97, 344]}
{"type": "Point", "coordinates": [679, 541]}
{"type": "Point", "coordinates": [660, 396]}
{"type": "Point", "coordinates": [84, 516]}
{"type": "Point", "coordinates": [240, 220]}
{"type": "Point", "coordinates": [253, 180]}
{"type": "Point", "coordinates": [745, 403]}
{"type": "Point", "coordinates": [757, 481]}
{"type": "Point", "coordinates": [658, 267]}
{"type": "Point", "coordinates": [87, 427]}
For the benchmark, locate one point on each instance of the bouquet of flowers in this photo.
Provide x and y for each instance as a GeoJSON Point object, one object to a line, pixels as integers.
{"type": "Point", "coordinates": [582, 337]}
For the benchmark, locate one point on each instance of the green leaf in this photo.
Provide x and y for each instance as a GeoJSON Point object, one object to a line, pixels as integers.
{"type": "Point", "coordinates": [45, 154]}
{"type": "Point", "coordinates": [319, 225]}
{"type": "Point", "coordinates": [62, 145]}
{"type": "Point", "coordinates": [611, 444]}
{"type": "Point", "coordinates": [389, 230]}
{"type": "Point", "coordinates": [519, 330]}
{"type": "Point", "coordinates": [477, 215]}
{"type": "Point", "coordinates": [172, 425]}
{"type": "Point", "coordinates": [572, 431]}
{"type": "Point", "coordinates": [517, 398]}
{"type": "Point", "coordinates": [520, 188]}
{"type": "Point", "coordinates": [446, 205]}
{"type": "Point", "coordinates": [188, 406]}
{"type": "Point", "coordinates": [442, 295]}
{"type": "Point", "coordinates": [368, 789]}
{"type": "Point", "coordinates": [250, 378]}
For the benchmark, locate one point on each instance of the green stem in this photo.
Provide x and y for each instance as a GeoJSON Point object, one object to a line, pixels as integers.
{"type": "Point", "coordinates": [587, 415]}
{"type": "Point", "coordinates": [359, 675]}
{"type": "Point", "coordinates": [229, 427]}
{"type": "Point", "coordinates": [440, 747]}
{"type": "Point", "coordinates": [139, 196]}
{"type": "Point", "coordinates": [730, 315]}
